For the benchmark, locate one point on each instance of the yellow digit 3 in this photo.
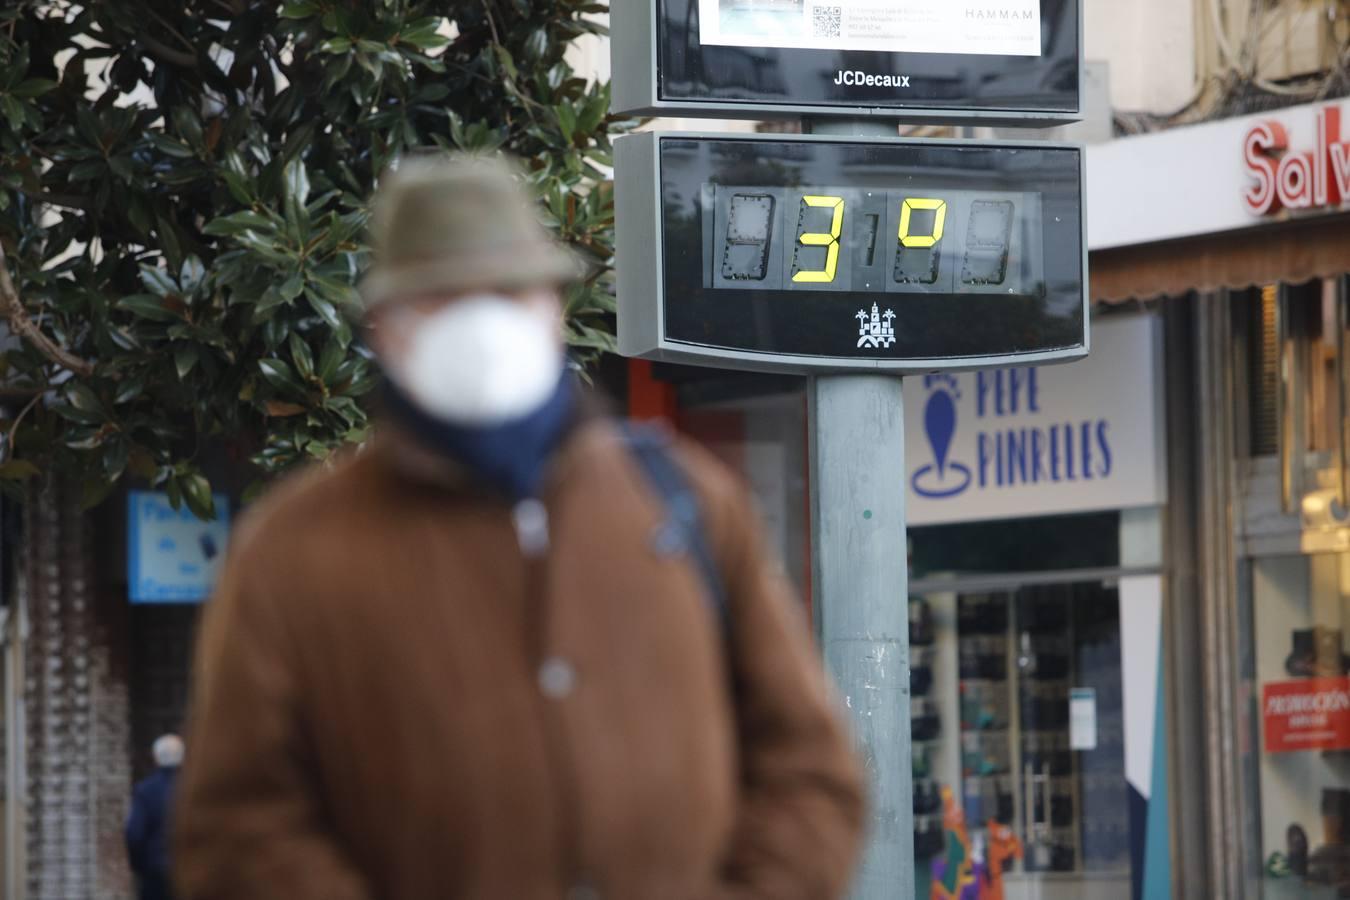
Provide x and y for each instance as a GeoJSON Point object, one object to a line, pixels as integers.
{"type": "Point", "coordinates": [821, 239]}
{"type": "Point", "coordinates": [920, 241]}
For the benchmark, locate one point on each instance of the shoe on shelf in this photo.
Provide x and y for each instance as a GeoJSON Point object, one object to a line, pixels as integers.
{"type": "Point", "coordinates": [1301, 662]}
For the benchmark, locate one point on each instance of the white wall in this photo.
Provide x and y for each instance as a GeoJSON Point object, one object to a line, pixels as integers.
{"type": "Point", "coordinates": [1150, 46]}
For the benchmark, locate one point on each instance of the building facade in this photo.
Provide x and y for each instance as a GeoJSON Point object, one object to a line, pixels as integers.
{"type": "Point", "coordinates": [1130, 577]}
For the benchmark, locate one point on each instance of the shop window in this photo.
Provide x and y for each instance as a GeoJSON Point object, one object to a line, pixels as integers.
{"type": "Point", "coordinates": [1323, 337]}
{"type": "Point", "coordinates": [1019, 714]}
{"type": "Point", "coordinates": [1298, 385]}
{"type": "Point", "coordinates": [1299, 759]}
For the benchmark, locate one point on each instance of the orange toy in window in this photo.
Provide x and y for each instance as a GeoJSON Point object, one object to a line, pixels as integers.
{"type": "Point", "coordinates": [1003, 846]}
{"type": "Point", "coordinates": [954, 876]}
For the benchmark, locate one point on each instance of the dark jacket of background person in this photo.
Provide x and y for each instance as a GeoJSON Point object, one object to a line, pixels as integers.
{"type": "Point", "coordinates": [147, 834]}
{"type": "Point", "coordinates": [373, 715]}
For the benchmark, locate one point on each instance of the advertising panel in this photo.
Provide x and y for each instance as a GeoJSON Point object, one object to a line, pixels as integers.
{"type": "Point", "coordinates": [1005, 28]}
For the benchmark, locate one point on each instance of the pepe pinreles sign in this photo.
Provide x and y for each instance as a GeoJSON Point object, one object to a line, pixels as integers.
{"type": "Point", "coordinates": [1012, 443]}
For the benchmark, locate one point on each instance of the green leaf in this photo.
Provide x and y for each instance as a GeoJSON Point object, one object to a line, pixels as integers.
{"type": "Point", "coordinates": [280, 375]}
{"type": "Point", "coordinates": [297, 182]}
{"type": "Point", "coordinates": [168, 146]}
{"type": "Point", "coordinates": [505, 60]}
{"type": "Point", "coordinates": [18, 470]}
{"type": "Point", "coordinates": [147, 306]}
{"type": "Point", "coordinates": [185, 357]}
{"type": "Point", "coordinates": [13, 111]}
{"type": "Point", "coordinates": [115, 459]}
{"type": "Point", "coordinates": [174, 491]}
{"type": "Point", "coordinates": [157, 281]}
{"type": "Point", "coordinates": [267, 304]}
{"type": "Point", "coordinates": [423, 35]}
{"type": "Point", "coordinates": [325, 309]}
{"type": "Point", "coordinates": [197, 492]}
{"type": "Point", "coordinates": [192, 274]}
{"type": "Point", "coordinates": [82, 398]}
{"type": "Point", "coordinates": [339, 293]}
{"type": "Point", "coordinates": [567, 121]}
{"type": "Point", "coordinates": [238, 223]}
{"type": "Point", "coordinates": [302, 356]}
{"type": "Point", "coordinates": [121, 167]}
{"type": "Point", "coordinates": [169, 243]}
{"type": "Point", "coordinates": [292, 287]}
{"type": "Point", "coordinates": [128, 389]}
{"type": "Point", "coordinates": [85, 439]}
{"type": "Point", "coordinates": [299, 9]}
{"type": "Point", "coordinates": [336, 45]}
{"type": "Point", "coordinates": [33, 87]}
{"type": "Point", "coordinates": [187, 123]}
{"type": "Point", "coordinates": [88, 170]}
{"type": "Point", "coordinates": [333, 355]}
{"type": "Point", "coordinates": [79, 416]}
{"type": "Point", "coordinates": [238, 185]}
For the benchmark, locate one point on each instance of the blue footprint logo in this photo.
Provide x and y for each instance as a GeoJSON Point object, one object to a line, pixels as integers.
{"type": "Point", "coordinates": [943, 477]}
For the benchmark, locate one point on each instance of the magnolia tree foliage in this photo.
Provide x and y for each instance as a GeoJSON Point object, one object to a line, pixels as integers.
{"type": "Point", "coordinates": [183, 190]}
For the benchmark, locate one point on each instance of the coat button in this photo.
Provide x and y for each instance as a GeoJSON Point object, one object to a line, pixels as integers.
{"type": "Point", "coordinates": [557, 678]}
{"type": "Point", "coordinates": [669, 540]}
{"type": "Point", "coordinates": [583, 891]}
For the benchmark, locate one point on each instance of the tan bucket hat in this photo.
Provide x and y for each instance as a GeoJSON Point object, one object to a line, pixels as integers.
{"type": "Point", "coordinates": [449, 223]}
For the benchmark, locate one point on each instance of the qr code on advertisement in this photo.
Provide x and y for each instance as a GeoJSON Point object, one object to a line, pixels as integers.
{"type": "Point", "coordinates": [825, 21]}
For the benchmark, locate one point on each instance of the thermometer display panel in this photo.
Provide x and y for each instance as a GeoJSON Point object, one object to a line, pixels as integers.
{"type": "Point", "coordinates": [814, 252]}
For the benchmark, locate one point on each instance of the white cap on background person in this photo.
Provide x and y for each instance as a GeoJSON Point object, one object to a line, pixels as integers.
{"type": "Point", "coordinates": [168, 751]}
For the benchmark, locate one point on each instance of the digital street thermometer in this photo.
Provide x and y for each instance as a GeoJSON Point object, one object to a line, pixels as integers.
{"type": "Point", "coordinates": [810, 253]}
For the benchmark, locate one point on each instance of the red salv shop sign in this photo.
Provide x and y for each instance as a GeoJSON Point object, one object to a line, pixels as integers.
{"type": "Point", "coordinates": [1308, 714]}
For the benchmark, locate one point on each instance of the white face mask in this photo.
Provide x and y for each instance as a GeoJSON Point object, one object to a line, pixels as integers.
{"type": "Point", "coordinates": [481, 360]}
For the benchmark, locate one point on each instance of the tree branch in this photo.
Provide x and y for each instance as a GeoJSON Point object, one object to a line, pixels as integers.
{"type": "Point", "coordinates": [23, 325]}
{"type": "Point", "coordinates": [168, 26]}
{"type": "Point", "coordinates": [18, 420]}
{"type": "Point", "coordinates": [164, 53]}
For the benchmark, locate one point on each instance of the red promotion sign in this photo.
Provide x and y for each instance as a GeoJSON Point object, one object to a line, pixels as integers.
{"type": "Point", "coordinates": [1309, 714]}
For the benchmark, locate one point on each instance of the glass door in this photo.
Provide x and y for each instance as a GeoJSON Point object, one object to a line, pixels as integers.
{"type": "Point", "coordinates": [1021, 735]}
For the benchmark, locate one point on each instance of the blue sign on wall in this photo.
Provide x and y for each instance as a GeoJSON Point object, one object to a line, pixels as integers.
{"type": "Point", "coordinates": [172, 556]}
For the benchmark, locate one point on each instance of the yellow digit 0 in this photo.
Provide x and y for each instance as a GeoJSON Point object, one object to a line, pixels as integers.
{"type": "Point", "coordinates": [821, 239]}
{"type": "Point", "coordinates": [920, 241]}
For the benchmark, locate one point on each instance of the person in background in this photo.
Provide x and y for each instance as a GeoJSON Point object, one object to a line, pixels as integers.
{"type": "Point", "coordinates": [476, 660]}
{"type": "Point", "coordinates": [147, 831]}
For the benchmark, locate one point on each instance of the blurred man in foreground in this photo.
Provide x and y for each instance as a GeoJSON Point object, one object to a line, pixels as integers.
{"type": "Point", "coordinates": [482, 659]}
{"type": "Point", "coordinates": [148, 824]}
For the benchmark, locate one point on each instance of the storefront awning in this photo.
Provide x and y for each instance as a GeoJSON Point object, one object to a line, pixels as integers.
{"type": "Point", "coordinates": [1292, 253]}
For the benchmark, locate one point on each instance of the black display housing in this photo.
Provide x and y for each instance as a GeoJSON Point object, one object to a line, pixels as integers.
{"type": "Point", "coordinates": [1044, 316]}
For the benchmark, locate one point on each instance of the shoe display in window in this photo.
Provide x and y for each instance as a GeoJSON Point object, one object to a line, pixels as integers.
{"type": "Point", "coordinates": [1300, 661]}
{"type": "Point", "coordinates": [924, 722]}
{"type": "Point", "coordinates": [1296, 842]}
{"type": "Point", "coordinates": [921, 633]}
{"type": "Point", "coordinates": [927, 797]}
{"type": "Point", "coordinates": [1328, 657]}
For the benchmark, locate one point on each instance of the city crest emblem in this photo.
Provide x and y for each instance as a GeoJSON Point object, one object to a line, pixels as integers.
{"type": "Point", "coordinates": [876, 330]}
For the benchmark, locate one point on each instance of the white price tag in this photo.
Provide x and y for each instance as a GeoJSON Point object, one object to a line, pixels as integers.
{"type": "Point", "coordinates": [1083, 719]}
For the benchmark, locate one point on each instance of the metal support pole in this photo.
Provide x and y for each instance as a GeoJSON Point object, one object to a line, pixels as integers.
{"type": "Point", "coordinates": [860, 574]}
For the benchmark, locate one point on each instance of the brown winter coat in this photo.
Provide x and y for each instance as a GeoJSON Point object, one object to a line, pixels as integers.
{"type": "Point", "coordinates": [373, 716]}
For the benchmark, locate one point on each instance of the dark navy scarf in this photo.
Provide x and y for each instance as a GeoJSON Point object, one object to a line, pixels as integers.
{"type": "Point", "coordinates": [510, 456]}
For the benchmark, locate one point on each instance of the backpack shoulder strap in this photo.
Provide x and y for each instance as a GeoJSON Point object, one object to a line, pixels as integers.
{"type": "Point", "coordinates": [683, 529]}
